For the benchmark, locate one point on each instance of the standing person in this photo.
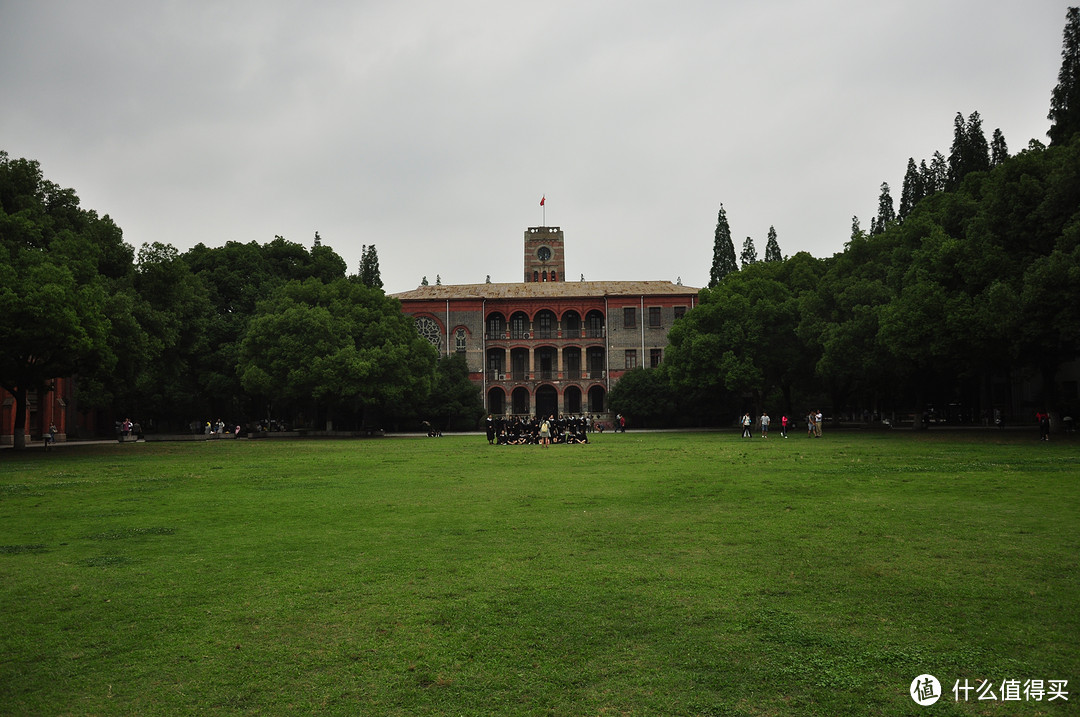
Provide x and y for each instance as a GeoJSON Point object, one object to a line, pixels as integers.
{"type": "Point", "coordinates": [764, 424]}
{"type": "Point", "coordinates": [1044, 425]}
{"type": "Point", "coordinates": [490, 430]}
{"type": "Point", "coordinates": [746, 426]}
{"type": "Point", "coordinates": [545, 432]}
{"type": "Point", "coordinates": [817, 425]}
{"type": "Point", "coordinates": [810, 425]}
{"type": "Point", "coordinates": [783, 425]}
{"type": "Point", "coordinates": [622, 423]}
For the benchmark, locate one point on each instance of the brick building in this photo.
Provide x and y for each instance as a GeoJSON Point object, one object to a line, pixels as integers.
{"type": "Point", "coordinates": [547, 345]}
{"type": "Point", "coordinates": [45, 408]}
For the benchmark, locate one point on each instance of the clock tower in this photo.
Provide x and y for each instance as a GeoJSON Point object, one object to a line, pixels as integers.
{"type": "Point", "coordinates": [544, 256]}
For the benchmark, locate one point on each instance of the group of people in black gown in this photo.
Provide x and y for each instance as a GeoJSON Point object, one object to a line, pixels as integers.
{"type": "Point", "coordinates": [523, 430]}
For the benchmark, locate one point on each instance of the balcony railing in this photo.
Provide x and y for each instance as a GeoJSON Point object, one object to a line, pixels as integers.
{"type": "Point", "coordinates": [549, 335]}
{"type": "Point", "coordinates": [538, 375]}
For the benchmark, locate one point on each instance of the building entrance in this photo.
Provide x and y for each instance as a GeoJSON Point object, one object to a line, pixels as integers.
{"type": "Point", "coordinates": [547, 401]}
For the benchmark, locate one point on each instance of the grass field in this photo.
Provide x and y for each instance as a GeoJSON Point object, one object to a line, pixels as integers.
{"type": "Point", "coordinates": [645, 574]}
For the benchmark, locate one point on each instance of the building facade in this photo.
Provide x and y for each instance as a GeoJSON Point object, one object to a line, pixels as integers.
{"type": "Point", "coordinates": [44, 409]}
{"type": "Point", "coordinates": [546, 345]}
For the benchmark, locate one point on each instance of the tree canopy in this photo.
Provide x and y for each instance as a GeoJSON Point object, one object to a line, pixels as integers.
{"type": "Point", "coordinates": [59, 268]}
{"type": "Point", "coordinates": [975, 285]}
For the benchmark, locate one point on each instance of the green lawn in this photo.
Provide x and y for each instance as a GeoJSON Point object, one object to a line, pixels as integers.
{"type": "Point", "coordinates": [645, 574]}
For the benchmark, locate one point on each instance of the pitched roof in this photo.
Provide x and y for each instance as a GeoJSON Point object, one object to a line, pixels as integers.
{"type": "Point", "coordinates": [546, 290]}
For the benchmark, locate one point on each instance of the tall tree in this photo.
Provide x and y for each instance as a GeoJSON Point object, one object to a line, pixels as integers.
{"type": "Point", "coordinates": [723, 262]}
{"type": "Point", "coordinates": [772, 247]}
{"type": "Point", "coordinates": [455, 401]}
{"type": "Point", "coordinates": [175, 309]}
{"type": "Point", "coordinates": [939, 174]}
{"type": "Point", "coordinates": [913, 190]}
{"type": "Point", "coordinates": [343, 345]}
{"type": "Point", "coordinates": [748, 255]}
{"type": "Point", "coordinates": [956, 153]}
{"type": "Point", "coordinates": [59, 264]}
{"type": "Point", "coordinates": [856, 229]}
{"type": "Point", "coordinates": [369, 267]}
{"type": "Point", "coordinates": [976, 146]}
{"type": "Point", "coordinates": [999, 151]}
{"type": "Point", "coordinates": [1065, 99]}
{"type": "Point", "coordinates": [886, 215]}
{"type": "Point", "coordinates": [970, 151]}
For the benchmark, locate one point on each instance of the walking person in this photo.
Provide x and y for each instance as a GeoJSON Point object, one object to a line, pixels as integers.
{"type": "Point", "coordinates": [783, 425]}
{"type": "Point", "coordinates": [764, 424]}
{"type": "Point", "coordinates": [746, 426]}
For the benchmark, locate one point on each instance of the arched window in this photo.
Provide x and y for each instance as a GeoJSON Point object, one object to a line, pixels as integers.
{"type": "Point", "coordinates": [594, 325]}
{"type": "Point", "coordinates": [496, 327]}
{"type": "Point", "coordinates": [519, 325]}
{"type": "Point", "coordinates": [571, 325]}
{"type": "Point", "coordinates": [546, 324]}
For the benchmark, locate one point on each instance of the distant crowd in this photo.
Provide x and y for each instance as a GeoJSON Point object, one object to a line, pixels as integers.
{"type": "Point", "coordinates": [538, 430]}
{"type": "Point", "coordinates": [813, 424]}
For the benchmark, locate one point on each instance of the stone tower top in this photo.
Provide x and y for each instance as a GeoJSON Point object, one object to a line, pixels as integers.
{"type": "Point", "coordinates": [545, 258]}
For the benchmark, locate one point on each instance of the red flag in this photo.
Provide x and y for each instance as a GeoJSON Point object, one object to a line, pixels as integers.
{"type": "Point", "coordinates": [542, 200]}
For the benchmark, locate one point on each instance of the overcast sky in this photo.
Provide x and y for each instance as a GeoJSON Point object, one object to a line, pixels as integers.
{"type": "Point", "coordinates": [431, 129]}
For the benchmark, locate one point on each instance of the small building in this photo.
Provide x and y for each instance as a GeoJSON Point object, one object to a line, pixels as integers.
{"type": "Point", "coordinates": [547, 345]}
{"type": "Point", "coordinates": [44, 408]}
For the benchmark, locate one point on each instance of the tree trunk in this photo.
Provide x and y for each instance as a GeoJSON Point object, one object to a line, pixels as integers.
{"type": "Point", "coordinates": [19, 430]}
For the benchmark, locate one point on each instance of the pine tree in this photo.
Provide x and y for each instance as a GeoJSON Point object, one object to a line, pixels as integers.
{"type": "Point", "coordinates": [970, 151]}
{"type": "Point", "coordinates": [772, 247]}
{"type": "Point", "coordinates": [369, 267]}
{"type": "Point", "coordinates": [856, 229]}
{"type": "Point", "coordinates": [749, 253]}
{"type": "Point", "coordinates": [939, 172]}
{"type": "Point", "coordinates": [913, 191]}
{"type": "Point", "coordinates": [977, 149]}
{"type": "Point", "coordinates": [438, 280]}
{"type": "Point", "coordinates": [886, 214]}
{"type": "Point", "coordinates": [956, 153]}
{"type": "Point", "coordinates": [723, 262]}
{"type": "Point", "coordinates": [926, 178]}
{"type": "Point", "coordinates": [318, 239]}
{"type": "Point", "coordinates": [1065, 99]}
{"type": "Point", "coordinates": [999, 151]}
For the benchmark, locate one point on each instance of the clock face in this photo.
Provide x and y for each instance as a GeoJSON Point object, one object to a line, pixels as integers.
{"type": "Point", "coordinates": [426, 327]}
{"type": "Point", "coordinates": [543, 253]}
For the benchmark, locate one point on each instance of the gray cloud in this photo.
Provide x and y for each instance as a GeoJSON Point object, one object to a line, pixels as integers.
{"type": "Point", "coordinates": [432, 129]}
